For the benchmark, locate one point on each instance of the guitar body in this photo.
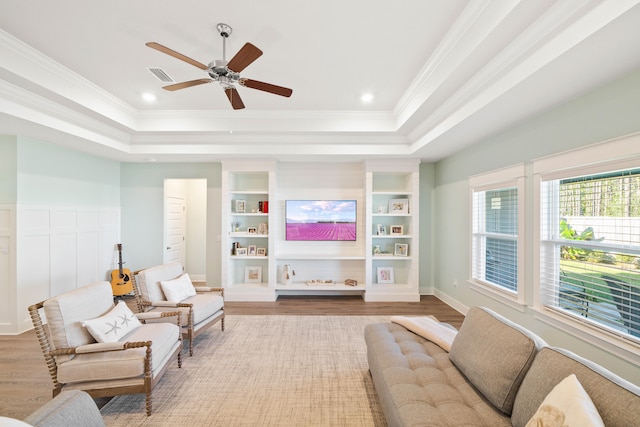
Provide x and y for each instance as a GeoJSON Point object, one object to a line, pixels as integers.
{"type": "Point", "coordinates": [121, 278]}
{"type": "Point", "coordinates": [121, 284]}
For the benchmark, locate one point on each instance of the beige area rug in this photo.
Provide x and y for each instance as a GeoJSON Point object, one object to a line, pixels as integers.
{"type": "Point", "coordinates": [265, 371]}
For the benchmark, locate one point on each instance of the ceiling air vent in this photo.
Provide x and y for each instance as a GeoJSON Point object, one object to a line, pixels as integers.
{"type": "Point", "coordinates": [160, 75]}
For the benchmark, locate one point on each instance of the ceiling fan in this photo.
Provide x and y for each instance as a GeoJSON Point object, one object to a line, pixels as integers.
{"type": "Point", "coordinates": [227, 73]}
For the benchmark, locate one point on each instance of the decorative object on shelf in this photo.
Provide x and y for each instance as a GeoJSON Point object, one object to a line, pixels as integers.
{"type": "Point", "coordinates": [251, 250]}
{"type": "Point", "coordinates": [396, 230]}
{"type": "Point", "coordinates": [263, 206]}
{"type": "Point", "coordinates": [261, 252]}
{"type": "Point", "coordinates": [241, 251]}
{"type": "Point", "coordinates": [399, 206]}
{"type": "Point", "coordinates": [252, 230]}
{"type": "Point", "coordinates": [235, 226]}
{"type": "Point", "coordinates": [401, 249]}
{"type": "Point", "coordinates": [234, 248]}
{"type": "Point", "coordinates": [253, 274]}
{"type": "Point", "coordinates": [263, 228]}
{"type": "Point", "coordinates": [382, 230]}
{"type": "Point", "coordinates": [376, 250]}
{"type": "Point", "coordinates": [351, 282]}
{"type": "Point", "coordinates": [287, 274]}
{"type": "Point", "coordinates": [381, 209]}
{"type": "Point", "coordinates": [319, 282]}
{"type": "Point", "coordinates": [240, 206]}
{"type": "Point", "coordinates": [385, 275]}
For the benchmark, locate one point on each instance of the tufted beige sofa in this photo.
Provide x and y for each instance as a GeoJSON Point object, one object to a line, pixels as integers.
{"type": "Point", "coordinates": [495, 374]}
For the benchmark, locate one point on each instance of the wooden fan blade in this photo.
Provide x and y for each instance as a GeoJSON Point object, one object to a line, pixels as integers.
{"type": "Point", "coordinates": [187, 84]}
{"type": "Point", "coordinates": [245, 56]}
{"type": "Point", "coordinates": [266, 87]}
{"type": "Point", "coordinates": [234, 98]}
{"type": "Point", "coordinates": [170, 52]}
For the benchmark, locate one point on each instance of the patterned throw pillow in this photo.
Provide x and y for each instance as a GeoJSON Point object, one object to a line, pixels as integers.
{"type": "Point", "coordinates": [114, 325]}
{"type": "Point", "coordinates": [179, 289]}
{"type": "Point", "coordinates": [567, 405]}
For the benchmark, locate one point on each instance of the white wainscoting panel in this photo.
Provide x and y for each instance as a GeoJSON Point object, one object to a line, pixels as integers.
{"type": "Point", "coordinates": [7, 267]}
{"type": "Point", "coordinates": [58, 249]}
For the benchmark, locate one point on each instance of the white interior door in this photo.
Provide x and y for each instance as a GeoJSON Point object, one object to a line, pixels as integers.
{"type": "Point", "coordinates": [175, 230]}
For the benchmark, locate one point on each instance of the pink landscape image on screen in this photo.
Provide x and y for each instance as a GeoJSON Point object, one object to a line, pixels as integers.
{"type": "Point", "coordinates": [321, 220]}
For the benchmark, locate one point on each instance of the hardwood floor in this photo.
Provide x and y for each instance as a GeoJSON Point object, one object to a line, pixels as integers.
{"type": "Point", "coordinates": [24, 379]}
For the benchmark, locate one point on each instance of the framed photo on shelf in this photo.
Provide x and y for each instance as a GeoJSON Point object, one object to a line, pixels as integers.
{"type": "Point", "coordinates": [253, 274]}
{"type": "Point", "coordinates": [251, 250]}
{"type": "Point", "coordinates": [399, 206]}
{"type": "Point", "coordinates": [401, 249]}
{"type": "Point", "coordinates": [385, 274]}
{"type": "Point", "coordinates": [240, 206]}
{"type": "Point", "coordinates": [241, 251]}
{"type": "Point", "coordinates": [252, 230]}
{"type": "Point", "coordinates": [396, 230]}
{"type": "Point", "coordinates": [261, 251]}
{"type": "Point", "coordinates": [382, 230]}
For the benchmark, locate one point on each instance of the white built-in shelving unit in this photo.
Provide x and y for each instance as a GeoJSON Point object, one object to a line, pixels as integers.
{"type": "Point", "coordinates": [321, 267]}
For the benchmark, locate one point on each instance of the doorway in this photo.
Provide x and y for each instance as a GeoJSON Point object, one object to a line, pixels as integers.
{"type": "Point", "coordinates": [185, 225]}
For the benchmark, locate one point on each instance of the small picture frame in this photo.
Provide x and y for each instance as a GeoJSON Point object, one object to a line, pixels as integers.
{"type": "Point", "coordinates": [396, 230]}
{"type": "Point", "coordinates": [399, 206]}
{"type": "Point", "coordinates": [382, 230]}
{"type": "Point", "coordinates": [240, 206]}
{"type": "Point", "coordinates": [253, 274]}
{"type": "Point", "coordinates": [401, 249]}
{"type": "Point", "coordinates": [261, 251]}
{"type": "Point", "coordinates": [252, 230]}
{"type": "Point", "coordinates": [241, 251]}
{"type": "Point", "coordinates": [251, 250]}
{"type": "Point", "coordinates": [385, 275]}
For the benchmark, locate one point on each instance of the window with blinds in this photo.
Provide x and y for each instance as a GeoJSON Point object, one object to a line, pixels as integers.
{"type": "Point", "coordinates": [590, 249]}
{"type": "Point", "coordinates": [495, 237]}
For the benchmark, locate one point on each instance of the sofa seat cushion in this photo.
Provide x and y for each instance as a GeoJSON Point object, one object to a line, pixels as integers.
{"type": "Point", "coordinates": [418, 385]}
{"type": "Point", "coordinates": [494, 354]}
{"type": "Point", "coordinates": [205, 305]}
{"type": "Point", "coordinates": [123, 364]}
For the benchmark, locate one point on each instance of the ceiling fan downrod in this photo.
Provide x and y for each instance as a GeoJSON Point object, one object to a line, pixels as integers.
{"type": "Point", "coordinates": [225, 31]}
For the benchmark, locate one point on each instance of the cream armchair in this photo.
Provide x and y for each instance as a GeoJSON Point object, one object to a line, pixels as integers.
{"type": "Point", "coordinates": [104, 349]}
{"type": "Point", "coordinates": [166, 288]}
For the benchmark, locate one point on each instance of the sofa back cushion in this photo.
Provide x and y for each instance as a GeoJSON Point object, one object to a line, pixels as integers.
{"type": "Point", "coordinates": [617, 401]}
{"type": "Point", "coordinates": [66, 312]}
{"type": "Point", "coordinates": [148, 281]}
{"type": "Point", "coordinates": [494, 354]}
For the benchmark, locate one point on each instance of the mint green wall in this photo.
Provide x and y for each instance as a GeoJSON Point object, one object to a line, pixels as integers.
{"type": "Point", "coordinates": [142, 202]}
{"type": "Point", "coordinates": [53, 175]}
{"type": "Point", "coordinates": [609, 112]}
{"type": "Point", "coordinates": [8, 172]}
{"type": "Point", "coordinates": [426, 238]}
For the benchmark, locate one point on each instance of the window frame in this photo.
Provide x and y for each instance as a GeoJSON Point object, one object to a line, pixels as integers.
{"type": "Point", "coordinates": [616, 154]}
{"type": "Point", "coordinates": [509, 177]}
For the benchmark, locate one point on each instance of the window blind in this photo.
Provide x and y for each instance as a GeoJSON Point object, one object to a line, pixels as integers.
{"type": "Point", "coordinates": [590, 249]}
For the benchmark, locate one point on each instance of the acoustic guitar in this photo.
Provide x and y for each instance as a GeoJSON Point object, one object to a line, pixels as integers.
{"type": "Point", "coordinates": [121, 278]}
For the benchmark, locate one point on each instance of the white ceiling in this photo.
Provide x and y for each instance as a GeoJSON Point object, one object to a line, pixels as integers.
{"type": "Point", "coordinates": [444, 73]}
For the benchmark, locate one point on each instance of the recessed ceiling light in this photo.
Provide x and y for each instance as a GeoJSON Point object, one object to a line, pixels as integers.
{"type": "Point", "coordinates": [149, 97]}
{"type": "Point", "coordinates": [366, 97]}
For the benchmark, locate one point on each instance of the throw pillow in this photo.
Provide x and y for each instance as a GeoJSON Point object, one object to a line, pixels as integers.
{"type": "Point", "coordinates": [179, 289]}
{"type": "Point", "coordinates": [567, 405]}
{"type": "Point", "coordinates": [114, 325]}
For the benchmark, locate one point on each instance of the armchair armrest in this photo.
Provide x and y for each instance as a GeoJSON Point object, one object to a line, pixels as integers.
{"type": "Point", "coordinates": [207, 289]}
{"type": "Point", "coordinates": [100, 347]}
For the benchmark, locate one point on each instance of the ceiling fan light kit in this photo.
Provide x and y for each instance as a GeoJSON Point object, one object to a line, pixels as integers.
{"type": "Point", "coordinates": [227, 73]}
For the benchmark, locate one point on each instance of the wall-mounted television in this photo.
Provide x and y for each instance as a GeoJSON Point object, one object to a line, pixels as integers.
{"type": "Point", "coordinates": [326, 220]}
